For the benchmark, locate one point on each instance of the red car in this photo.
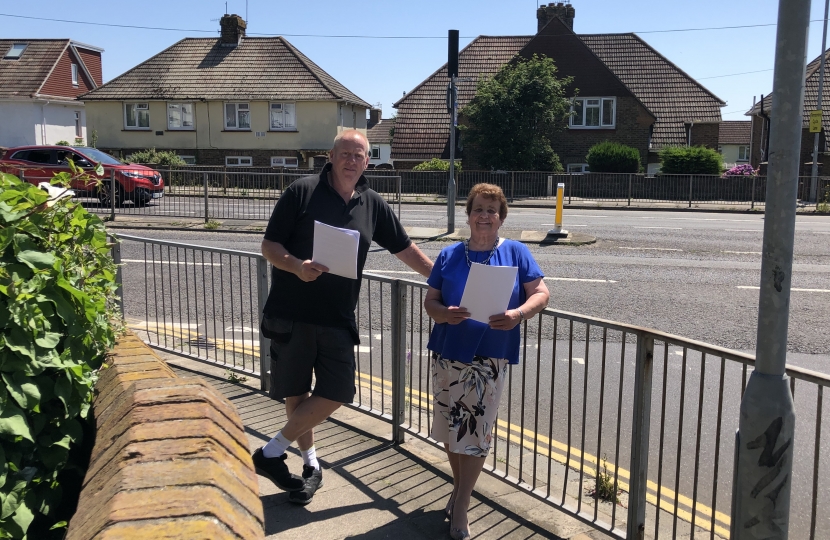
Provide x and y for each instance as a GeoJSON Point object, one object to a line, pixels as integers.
{"type": "Point", "coordinates": [36, 164]}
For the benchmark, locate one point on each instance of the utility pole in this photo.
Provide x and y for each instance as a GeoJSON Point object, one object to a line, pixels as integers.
{"type": "Point", "coordinates": [764, 443]}
{"type": "Point", "coordinates": [814, 170]}
{"type": "Point", "coordinates": [452, 106]}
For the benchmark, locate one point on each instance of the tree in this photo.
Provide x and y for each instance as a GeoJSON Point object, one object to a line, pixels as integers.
{"type": "Point", "coordinates": [514, 114]}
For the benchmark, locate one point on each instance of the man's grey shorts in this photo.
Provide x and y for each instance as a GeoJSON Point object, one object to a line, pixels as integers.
{"type": "Point", "coordinates": [299, 349]}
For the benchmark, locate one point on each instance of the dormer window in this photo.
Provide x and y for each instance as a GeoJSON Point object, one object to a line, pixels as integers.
{"type": "Point", "coordinates": [74, 74]}
{"type": "Point", "coordinates": [15, 51]}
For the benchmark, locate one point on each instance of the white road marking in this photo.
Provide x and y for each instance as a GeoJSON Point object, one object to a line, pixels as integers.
{"type": "Point", "coordinates": [407, 220]}
{"type": "Point", "coordinates": [743, 252]}
{"type": "Point", "coordinates": [819, 232]}
{"type": "Point", "coordinates": [169, 262]}
{"type": "Point", "coordinates": [242, 329]}
{"type": "Point", "coordinates": [670, 228]}
{"type": "Point", "coordinates": [377, 336]}
{"type": "Point", "coordinates": [678, 353]}
{"type": "Point", "coordinates": [792, 289]}
{"type": "Point", "coordinates": [575, 359]}
{"type": "Point", "coordinates": [554, 224]}
{"type": "Point", "coordinates": [652, 248]}
{"type": "Point", "coordinates": [581, 279]}
{"type": "Point", "coordinates": [587, 215]}
{"type": "Point", "coordinates": [172, 212]}
{"type": "Point", "coordinates": [743, 230]}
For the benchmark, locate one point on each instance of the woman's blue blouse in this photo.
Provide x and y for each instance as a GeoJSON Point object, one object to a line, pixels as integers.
{"type": "Point", "coordinates": [461, 342]}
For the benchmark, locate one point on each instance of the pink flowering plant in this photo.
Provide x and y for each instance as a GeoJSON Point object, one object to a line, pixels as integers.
{"type": "Point", "coordinates": [745, 169]}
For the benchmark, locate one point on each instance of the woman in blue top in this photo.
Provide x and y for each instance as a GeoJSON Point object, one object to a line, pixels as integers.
{"type": "Point", "coordinates": [469, 358]}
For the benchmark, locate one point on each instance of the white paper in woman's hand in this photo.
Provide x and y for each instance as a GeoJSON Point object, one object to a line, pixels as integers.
{"type": "Point", "coordinates": [488, 290]}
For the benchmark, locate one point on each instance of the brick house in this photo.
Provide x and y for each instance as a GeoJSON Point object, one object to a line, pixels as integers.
{"type": "Point", "coordinates": [235, 101]}
{"type": "Point", "coordinates": [380, 138]}
{"type": "Point", "coordinates": [40, 80]}
{"type": "Point", "coordinates": [759, 117]}
{"type": "Point", "coordinates": [734, 137]}
{"type": "Point", "coordinates": [625, 92]}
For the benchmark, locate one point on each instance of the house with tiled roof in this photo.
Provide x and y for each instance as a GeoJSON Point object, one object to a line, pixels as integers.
{"type": "Point", "coordinates": [734, 137]}
{"type": "Point", "coordinates": [40, 80]}
{"type": "Point", "coordinates": [234, 100]}
{"type": "Point", "coordinates": [759, 116]}
{"type": "Point", "coordinates": [379, 134]}
{"type": "Point", "coordinates": [623, 90]}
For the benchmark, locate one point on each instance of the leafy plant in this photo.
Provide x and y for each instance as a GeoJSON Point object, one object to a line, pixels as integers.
{"type": "Point", "coordinates": [231, 376]}
{"type": "Point", "coordinates": [690, 160]}
{"type": "Point", "coordinates": [436, 164]}
{"type": "Point", "coordinates": [58, 318]}
{"type": "Point", "coordinates": [93, 138]}
{"type": "Point", "coordinates": [745, 169]}
{"type": "Point", "coordinates": [62, 142]}
{"type": "Point", "coordinates": [605, 489]}
{"type": "Point", "coordinates": [611, 157]}
{"type": "Point", "coordinates": [151, 156]}
{"type": "Point", "coordinates": [212, 224]}
{"type": "Point", "coordinates": [514, 114]}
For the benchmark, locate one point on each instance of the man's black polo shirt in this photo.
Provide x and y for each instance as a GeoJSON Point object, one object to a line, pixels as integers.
{"type": "Point", "coordinates": [329, 300]}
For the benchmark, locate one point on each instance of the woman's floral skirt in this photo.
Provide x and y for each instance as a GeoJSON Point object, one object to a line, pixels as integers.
{"type": "Point", "coordinates": [466, 400]}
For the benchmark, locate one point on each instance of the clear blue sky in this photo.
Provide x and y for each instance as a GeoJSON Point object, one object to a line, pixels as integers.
{"type": "Point", "coordinates": [380, 70]}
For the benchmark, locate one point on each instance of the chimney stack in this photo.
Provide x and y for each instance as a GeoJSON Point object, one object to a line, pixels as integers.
{"type": "Point", "coordinates": [547, 13]}
{"type": "Point", "coordinates": [374, 117]}
{"type": "Point", "coordinates": [233, 30]}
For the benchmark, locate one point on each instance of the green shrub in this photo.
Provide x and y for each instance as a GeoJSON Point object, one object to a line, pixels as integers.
{"type": "Point", "coordinates": [611, 157]}
{"type": "Point", "coordinates": [62, 143]}
{"type": "Point", "coordinates": [152, 156]}
{"type": "Point", "coordinates": [57, 320]}
{"type": "Point", "coordinates": [690, 160]}
{"type": "Point", "coordinates": [436, 164]}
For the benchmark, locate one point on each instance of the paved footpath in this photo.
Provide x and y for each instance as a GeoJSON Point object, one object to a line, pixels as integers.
{"type": "Point", "coordinates": [374, 489]}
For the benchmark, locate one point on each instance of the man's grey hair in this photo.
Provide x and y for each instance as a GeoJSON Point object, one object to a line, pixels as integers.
{"type": "Point", "coordinates": [347, 132]}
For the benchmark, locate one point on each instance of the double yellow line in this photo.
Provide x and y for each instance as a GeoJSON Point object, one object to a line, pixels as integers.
{"type": "Point", "coordinates": [566, 455]}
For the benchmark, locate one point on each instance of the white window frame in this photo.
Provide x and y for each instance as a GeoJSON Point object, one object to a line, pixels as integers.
{"type": "Point", "coordinates": [588, 103]}
{"type": "Point", "coordinates": [179, 105]}
{"type": "Point", "coordinates": [577, 168]}
{"type": "Point", "coordinates": [238, 106]}
{"type": "Point", "coordinates": [375, 151]}
{"type": "Point", "coordinates": [15, 51]}
{"type": "Point", "coordinates": [78, 128]}
{"type": "Point", "coordinates": [239, 161]}
{"type": "Point", "coordinates": [74, 74]}
{"type": "Point", "coordinates": [139, 107]}
{"type": "Point", "coordinates": [282, 116]}
{"type": "Point", "coordinates": [285, 161]}
{"type": "Point", "coordinates": [745, 149]}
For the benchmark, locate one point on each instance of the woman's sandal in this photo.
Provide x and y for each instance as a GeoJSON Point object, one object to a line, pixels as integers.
{"type": "Point", "coordinates": [456, 534]}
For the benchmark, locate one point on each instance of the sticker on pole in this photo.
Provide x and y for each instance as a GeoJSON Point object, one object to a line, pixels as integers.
{"type": "Point", "coordinates": [815, 121]}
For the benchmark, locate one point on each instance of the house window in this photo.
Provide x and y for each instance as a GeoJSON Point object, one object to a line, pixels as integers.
{"type": "Point", "coordinates": [179, 116]}
{"type": "Point", "coordinates": [189, 160]}
{"type": "Point", "coordinates": [78, 132]}
{"type": "Point", "coordinates": [74, 74]}
{"type": "Point", "coordinates": [283, 116]}
{"type": "Point", "coordinates": [593, 113]}
{"type": "Point", "coordinates": [238, 161]}
{"type": "Point", "coordinates": [15, 51]}
{"type": "Point", "coordinates": [237, 116]}
{"type": "Point", "coordinates": [577, 168]}
{"type": "Point", "coordinates": [375, 151]}
{"type": "Point", "coordinates": [743, 153]}
{"type": "Point", "coordinates": [282, 161]}
{"type": "Point", "coordinates": [137, 115]}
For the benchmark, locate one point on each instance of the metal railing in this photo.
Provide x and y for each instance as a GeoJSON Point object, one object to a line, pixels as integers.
{"type": "Point", "coordinates": [592, 401]}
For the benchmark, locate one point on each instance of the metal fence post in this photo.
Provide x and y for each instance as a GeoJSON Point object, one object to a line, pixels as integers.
{"type": "Point", "coordinates": [205, 182]}
{"type": "Point", "coordinates": [263, 267]}
{"type": "Point", "coordinates": [640, 438]}
{"type": "Point", "coordinates": [512, 184]}
{"type": "Point", "coordinates": [630, 181]}
{"type": "Point", "coordinates": [691, 179]}
{"type": "Point", "coordinates": [113, 194]}
{"type": "Point", "coordinates": [752, 195]}
{"type": "Point", "coordinates": [116, 258]}
{"type": "Point", "coordinates": [398, 309]}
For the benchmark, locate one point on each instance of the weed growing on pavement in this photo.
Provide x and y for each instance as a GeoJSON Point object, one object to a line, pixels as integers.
{"type": "Point", "coordinates": [243, 193]}
{"type": "Point", "coordinates": [234, 378]}
{"type": "Point", "coordinates": [823, 208]}
{"type": "Point", "coordinates": [212, 224]}
{"type": "Point", "coordinates": [605, 489]}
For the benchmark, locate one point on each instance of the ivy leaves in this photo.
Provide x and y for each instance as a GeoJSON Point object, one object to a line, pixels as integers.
{"type": "Point", "coordinates": [56, 323]}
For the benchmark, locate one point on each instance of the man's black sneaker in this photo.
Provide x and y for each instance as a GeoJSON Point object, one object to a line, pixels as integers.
{"type": "Point", "coordinates": [275, 470]}
{"type": "Point", "coordinates": [313, 481]}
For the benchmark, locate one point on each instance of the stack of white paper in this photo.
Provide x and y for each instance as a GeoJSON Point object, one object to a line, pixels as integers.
{"type": "Point", "coordinates": [336, 248]}
{"type": "Point", "coordinates": [488, 290]}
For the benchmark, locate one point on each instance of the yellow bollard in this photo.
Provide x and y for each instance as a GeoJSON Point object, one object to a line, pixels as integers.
{"type": "Point", "coordinates": [560, 200]}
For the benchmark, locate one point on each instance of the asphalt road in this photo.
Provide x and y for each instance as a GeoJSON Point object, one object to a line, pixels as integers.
{"type": "Point", "coordinates": [689, 274]}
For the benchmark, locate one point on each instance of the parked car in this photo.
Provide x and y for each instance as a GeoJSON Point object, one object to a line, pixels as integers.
{"type": "Point", "coordinates": [35, 164]}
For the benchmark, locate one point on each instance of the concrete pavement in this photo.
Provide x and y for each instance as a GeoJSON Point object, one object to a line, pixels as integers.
{"type": "Point", "coordinates": [374, 489]}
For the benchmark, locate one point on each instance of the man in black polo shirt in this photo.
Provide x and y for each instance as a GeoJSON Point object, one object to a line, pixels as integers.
{"type": "Point", "coordinates": [309, 315]}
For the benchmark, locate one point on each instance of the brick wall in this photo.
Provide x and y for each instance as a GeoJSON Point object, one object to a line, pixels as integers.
{"type": "Point", "coordinates": [59, 82]}
{"type": "Point", "coordinates": [705, 134]}
{"type": "Point", "coordinates": [170, 458]}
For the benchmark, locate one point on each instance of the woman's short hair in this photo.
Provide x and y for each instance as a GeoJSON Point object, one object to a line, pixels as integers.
{"type": "Point", "coordinates": [488, 191]}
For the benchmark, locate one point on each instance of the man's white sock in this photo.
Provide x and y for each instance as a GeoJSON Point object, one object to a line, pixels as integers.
{"type": "Point", "coordinates": [310, 457]}
{"type": "Point", "coordinates": [276, 446]}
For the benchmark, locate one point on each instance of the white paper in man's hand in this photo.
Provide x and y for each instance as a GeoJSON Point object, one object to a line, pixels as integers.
{"type": "Point", "coordinates": [336, 248]}
{"type": "Point", "coordinates": [488, 290]}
